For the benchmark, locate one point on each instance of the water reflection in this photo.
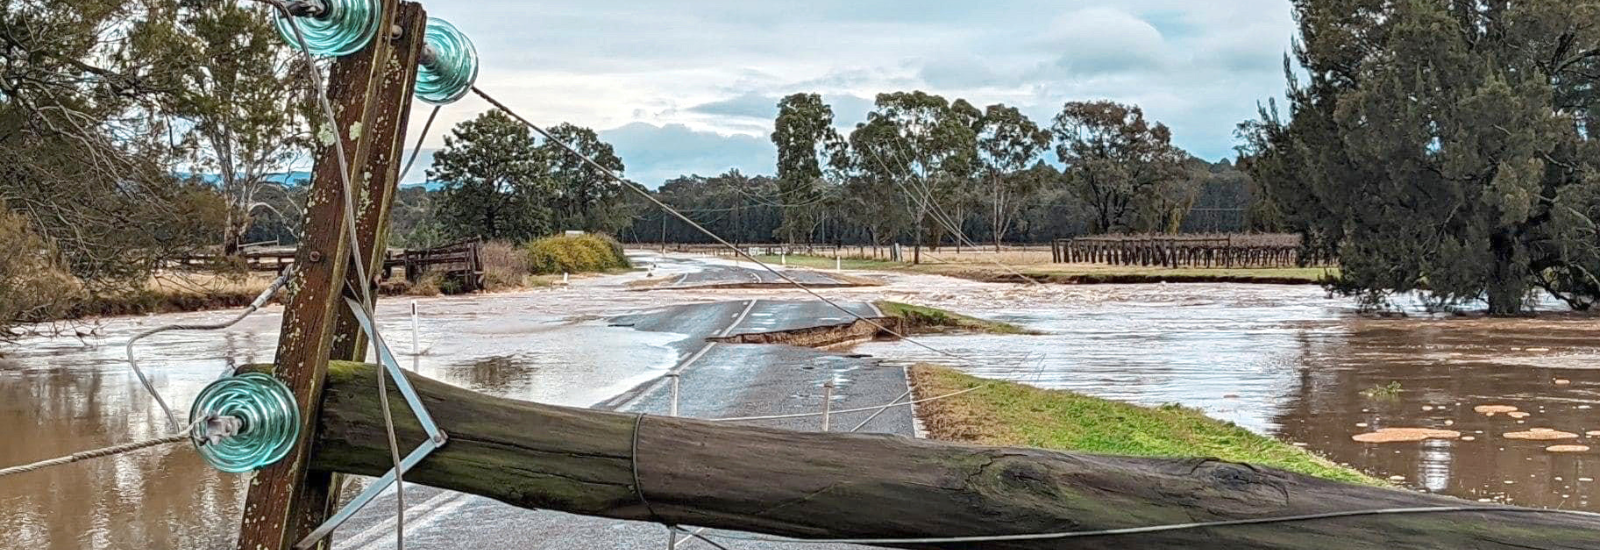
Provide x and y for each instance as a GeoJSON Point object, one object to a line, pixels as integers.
{"type": "Point", "coordinates": [1291, 362]}
{"type": "Point", "coordinates": [63, 395]}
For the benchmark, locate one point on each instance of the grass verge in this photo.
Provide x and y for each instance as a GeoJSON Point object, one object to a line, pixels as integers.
{"type": "Point", "coordinates": [929, 318]}
{"type": "Point", "coordinates": [1011, 414]}
{"type": "Point", "coordinates": [1081, 273]}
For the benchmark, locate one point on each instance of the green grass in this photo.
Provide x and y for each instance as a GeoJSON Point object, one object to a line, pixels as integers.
{"type": "Point", "coordinates": [1010, 414]}
{"type": "Point", "coordinates": [935, 318]}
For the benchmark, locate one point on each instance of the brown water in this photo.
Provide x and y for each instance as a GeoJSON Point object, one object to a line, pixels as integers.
{"type": "Point", "coordinates": [1281, 360]}
{"type": "Point", "coordinates": [1291, 362]}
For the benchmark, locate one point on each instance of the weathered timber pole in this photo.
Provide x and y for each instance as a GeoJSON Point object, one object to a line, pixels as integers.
{"type": "Point", "coordinates": [368, 90]}
{"type": "Point", "coordinates": [815, 485]}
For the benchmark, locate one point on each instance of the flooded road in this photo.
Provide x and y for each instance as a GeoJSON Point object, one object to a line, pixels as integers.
{"type": "Point", "coordinates": [1289, 361]}
{"type": "Point", "coordinates": [1283, 360]}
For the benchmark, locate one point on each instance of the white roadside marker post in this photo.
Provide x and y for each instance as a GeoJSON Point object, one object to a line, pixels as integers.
{"type": "Point", "coordinates": [827, 403]}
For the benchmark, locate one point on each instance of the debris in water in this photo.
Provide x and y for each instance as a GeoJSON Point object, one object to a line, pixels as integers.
{"type": "Point", "coordinates": [1469, 438]}
{"type": "Point", "coordinates": [1400, 435]}
{"type": "Point", "coordinates": [1397, 478]}
{"type": "Point", "coordinates": [1561, 382]}
{"type": "Point", "coordinates": [1567, 448]}
{"type": "Point", "coordinates": [1426, 408]}
{"type": "Point", "coordinates": [1491, 410]}
{"type": "Point", "coordinates": [1541, 434]}
{"type": "Point", "coordinates": [1449, 422]}
{"type": "Point", "coordinates": [1518, 414]}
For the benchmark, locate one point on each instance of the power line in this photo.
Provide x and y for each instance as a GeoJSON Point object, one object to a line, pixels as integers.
{"type": "Point", "coordinates": [669, 209]}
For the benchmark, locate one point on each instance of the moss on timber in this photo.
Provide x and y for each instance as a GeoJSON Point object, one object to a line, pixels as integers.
{"type": "Point", "coordinates": [1011, 414]}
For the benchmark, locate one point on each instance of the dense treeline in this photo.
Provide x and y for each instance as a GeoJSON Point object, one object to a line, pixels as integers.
{"type": "Point", "coordinates": [920, 170]}
{"type": "Point", "coordinates": [745, 209]}
{"type": "Point", "coordinates": [925, 170]}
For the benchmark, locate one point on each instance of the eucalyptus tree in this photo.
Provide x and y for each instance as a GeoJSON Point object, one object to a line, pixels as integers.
{"type": "Point", "coordinates": [803, 134]}
{"type": "Point", "coordinates": [1120, 164]}
{"type": "Point", "coordinates": [924, 145]}
{"type": "Point", "coordinates": [86, 154]}
{"type": "Point", "coordinates": [1445, 145]}
{"type": "Point", "coordinates": [1009, 143]}
{"type": "Point", "coordinates": [240, 97]}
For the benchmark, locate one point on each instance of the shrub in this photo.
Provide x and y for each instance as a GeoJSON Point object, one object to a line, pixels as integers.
{"type": "Point", "coordinates": [33, 286]}
{"type": "Point", "coordinates": [579, 254]}
{"type": "Point", "coordinates": [504, 266]}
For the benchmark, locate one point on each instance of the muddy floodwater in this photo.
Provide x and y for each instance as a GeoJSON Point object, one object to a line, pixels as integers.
{"type": "Point", "coordinates": [1291, 362]}
{"type": "Point", "coordinates": [1282, 360]}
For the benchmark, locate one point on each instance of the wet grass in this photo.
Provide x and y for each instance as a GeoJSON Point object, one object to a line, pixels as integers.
{"type": "Point", "coordinates": [982, 270]}
{"type": "Point", "coordinates": [1011, 414]}
{"type": "Point", "coordinates": [922, 317]}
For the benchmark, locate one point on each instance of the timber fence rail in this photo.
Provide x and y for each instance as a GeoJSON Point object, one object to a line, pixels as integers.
{"type": "Point", "coordinates": [460, 261]}
{"type": "Point", "coordinates": [1227, 251]}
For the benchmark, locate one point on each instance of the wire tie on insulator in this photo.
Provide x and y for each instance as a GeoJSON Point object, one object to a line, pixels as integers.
{"type": "Point", "coordinates": [332, 28]}
{"type": "Point", "coordinates": [251, 422]}
{"type": "Point", "coordinates": [448, 65]}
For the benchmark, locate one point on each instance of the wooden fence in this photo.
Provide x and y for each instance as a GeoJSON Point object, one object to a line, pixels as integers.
{"type": "Point", "coordinates": [460, 262]}
{"type": "Point", "coordinates": [1227, 251]}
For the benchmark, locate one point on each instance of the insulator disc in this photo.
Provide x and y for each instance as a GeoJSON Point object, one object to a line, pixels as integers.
{"type": "Point", "coordinates": [345, 28]}
{"type": "Point", "coordinates": [269, 422]}
{"type": "Point", "coordinates": [452, 67]}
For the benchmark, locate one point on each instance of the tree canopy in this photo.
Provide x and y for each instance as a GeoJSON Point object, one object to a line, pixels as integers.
{"type": "Point", "coordinates": [1442, 145]}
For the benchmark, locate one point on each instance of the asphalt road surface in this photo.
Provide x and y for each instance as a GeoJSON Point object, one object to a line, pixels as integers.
{"type": "Point", "coordinates": [717, 381]}
{"type": "Point", "coordinates": [745, 273]}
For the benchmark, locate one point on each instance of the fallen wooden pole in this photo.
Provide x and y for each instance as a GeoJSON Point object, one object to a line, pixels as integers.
{"type": "Point", "coordinates": [814, 485]}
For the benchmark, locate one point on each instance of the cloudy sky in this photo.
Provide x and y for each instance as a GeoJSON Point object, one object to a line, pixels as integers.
{"type": "Point", "coordinates": [690, 86]}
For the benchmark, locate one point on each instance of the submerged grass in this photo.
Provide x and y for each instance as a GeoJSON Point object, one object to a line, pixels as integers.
{"type": "Point", "coordinates": [1011, 414]}
{"type": "Point", "coordinates": [934, 318]}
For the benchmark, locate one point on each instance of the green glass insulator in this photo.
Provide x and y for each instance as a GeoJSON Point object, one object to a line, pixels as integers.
{"type": "Point", "coordinates": [451, 64]}
{"type": "Point", "coordinates": [343, 28]}
{"type": "Point", "coordinates": [268, 422]}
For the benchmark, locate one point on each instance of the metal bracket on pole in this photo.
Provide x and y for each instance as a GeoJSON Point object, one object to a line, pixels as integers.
{"type": "Point", "coordinates": [436, 436]}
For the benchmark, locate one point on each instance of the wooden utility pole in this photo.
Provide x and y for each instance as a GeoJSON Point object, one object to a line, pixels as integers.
{"type": "Point", "coordinates": [371, 94]}
{"type": "Point", "coordinates": [835, 485]}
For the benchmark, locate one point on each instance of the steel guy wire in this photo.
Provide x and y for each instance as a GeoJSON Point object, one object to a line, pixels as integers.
{"type": "Point", "coordinates": [938, 211]}
{"type": "Point", "coordinates": [415, 151]}
{"type": "Point", "coordinates": [261, 300]}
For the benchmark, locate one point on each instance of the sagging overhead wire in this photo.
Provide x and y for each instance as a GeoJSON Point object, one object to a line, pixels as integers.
{"type": "Point", "coordinates": [261, 300]}
{"type": "Point", "coordinates": [926, 199]}
{"type": "Point", "coordinates": [609, 174]}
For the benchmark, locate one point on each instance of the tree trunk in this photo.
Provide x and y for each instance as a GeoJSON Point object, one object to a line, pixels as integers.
{"type": "Point", "coordinates": [828, 485]}
{"type": "Point", "coordinates": [1507, 283]}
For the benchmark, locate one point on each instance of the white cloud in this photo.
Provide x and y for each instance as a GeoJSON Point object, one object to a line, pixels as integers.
{"type": "Point", "coordinates": [708, 73]}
